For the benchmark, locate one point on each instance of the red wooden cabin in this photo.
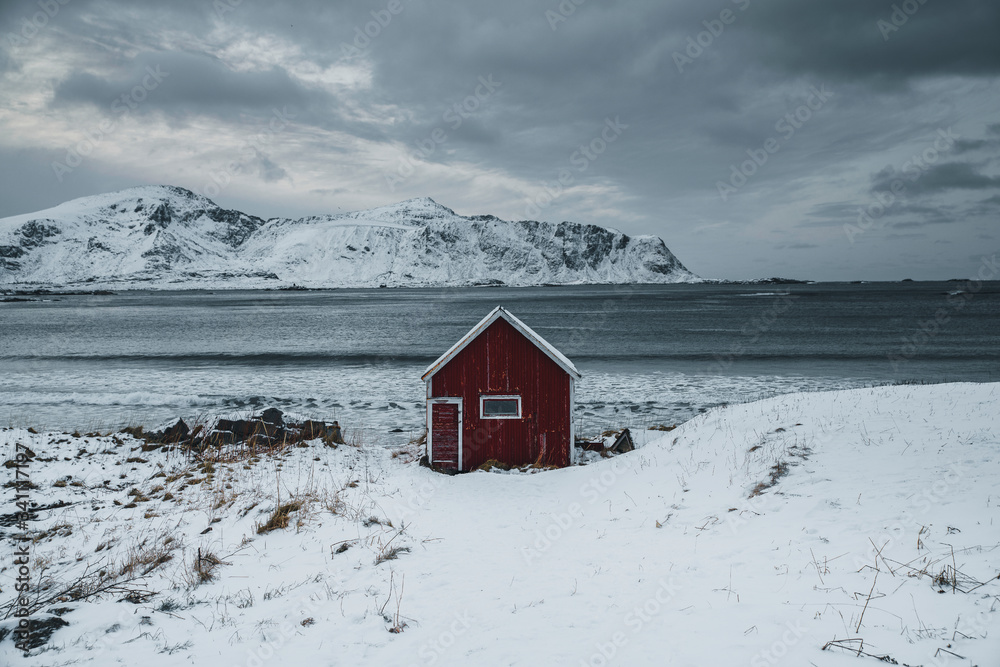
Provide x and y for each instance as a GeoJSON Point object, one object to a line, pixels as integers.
{"type": "Point", "coordinates": [500, 393]}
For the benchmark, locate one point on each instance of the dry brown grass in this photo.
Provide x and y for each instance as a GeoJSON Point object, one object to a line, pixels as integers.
{"type": "Point", "coordinates": [204, 567]}
{"type": "Point", "coordinates": [390, 554]}
{"type": "Point", "coordinates": [778, 470]}
{"type": "Point", "coordinates": [662, 427]}
{"type": "Point", "coordinates": [279, 518]}
{"type": "Point", "coordinates": [493, 463]}
{"type": "Point", "coordinates": [143, 558]}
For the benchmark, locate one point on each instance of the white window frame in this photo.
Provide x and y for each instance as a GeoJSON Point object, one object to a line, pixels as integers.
{"type": "Point", "coordinates": [498, 397]}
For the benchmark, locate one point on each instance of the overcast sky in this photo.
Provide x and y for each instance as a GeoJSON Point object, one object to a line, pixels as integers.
{"type": "Point", "coordinates": [830, 140]}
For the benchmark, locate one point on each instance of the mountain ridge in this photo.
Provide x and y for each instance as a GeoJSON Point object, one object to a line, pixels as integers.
{"type": "Point", "coordinates": [167, 237]}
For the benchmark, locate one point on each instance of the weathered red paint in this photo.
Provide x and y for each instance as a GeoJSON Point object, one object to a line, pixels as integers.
{"type": "Point", "coordinates": [444, 434]}
{"type": "Point", "coordinates": [502, 361]}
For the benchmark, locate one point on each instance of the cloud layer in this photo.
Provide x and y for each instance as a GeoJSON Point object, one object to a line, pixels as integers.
{"type": "Point", "coordinates": [722, 145]}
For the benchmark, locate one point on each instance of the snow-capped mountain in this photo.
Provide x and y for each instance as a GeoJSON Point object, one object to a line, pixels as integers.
{"type": "Point", "coordinates": [165, 237]}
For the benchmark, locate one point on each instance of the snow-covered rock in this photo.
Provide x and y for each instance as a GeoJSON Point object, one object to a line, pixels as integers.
{"type": "Point", "coordinates": [165, 237]}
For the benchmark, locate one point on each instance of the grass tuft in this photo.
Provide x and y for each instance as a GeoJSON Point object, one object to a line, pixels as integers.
{"type": "Point", "coordinates": [205, 565]}
{"type": "Point", "coordinates": [778, 470]}
{"type": "Point", "coordinates": [279, 517]}
{"type": "Point", "coordinates": [390, 554]}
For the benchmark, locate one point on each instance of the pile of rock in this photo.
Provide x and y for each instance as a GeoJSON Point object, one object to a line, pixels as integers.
{"type": "Point", "coordinates": [267, 429]}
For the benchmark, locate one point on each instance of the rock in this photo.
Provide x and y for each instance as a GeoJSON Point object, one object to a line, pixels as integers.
{"type": "Point", "coordinates": [176, 433]}
{"type": "Point", "coordinates": [227, 426]}
{"type": "Point", "coordinates": [220, 438]}
{"type": "Point", "coordinates": [241, 429]}
{"type": "Point", "coordinates": [273, 416]}
{"type": "Point", "coordinates": [258, 431]}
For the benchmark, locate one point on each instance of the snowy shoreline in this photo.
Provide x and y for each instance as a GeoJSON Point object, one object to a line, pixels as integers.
{"type": "Point", "coordinates": [754, 533]}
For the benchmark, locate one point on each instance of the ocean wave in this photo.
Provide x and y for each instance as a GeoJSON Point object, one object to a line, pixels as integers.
{"type": "Point", "coordinates": [232, 358]}
{"type": "Point", "coordinates": [139, 399]}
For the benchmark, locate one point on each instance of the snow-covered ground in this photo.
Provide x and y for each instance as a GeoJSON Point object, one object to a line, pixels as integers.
{"type": "Point", "coordinates": [754, 534]}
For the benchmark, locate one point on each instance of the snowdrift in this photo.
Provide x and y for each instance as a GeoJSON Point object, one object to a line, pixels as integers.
{"type": "Point", "coordinates": [831, 528]}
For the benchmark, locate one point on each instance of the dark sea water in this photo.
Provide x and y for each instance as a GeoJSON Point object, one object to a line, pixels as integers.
{"type": "Point", "coordinates": [648, 354]}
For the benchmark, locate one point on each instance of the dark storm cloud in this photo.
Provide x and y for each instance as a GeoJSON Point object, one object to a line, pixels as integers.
{"type": "Point", "coordinates": [956, 175]}
{"type": "Point", "coordinates": [990, 144]}
{"type": "Point", "coordinates": [985, 209]}
{"type": "Point", "coordinates": [899, 213]}
{"type": "Point", "coordinates": [905, 215]}
{"type": "Point", "coordinates": [969, 145]}
{"type": "Point", "coordinates": [936, 178]}
{"type": "Point", "coordinates": [879, 41]}
{"type": "Point", "coordinates": [185, 83]}
{"type": "Point", "coordinates": [829, 214]}
{"type": "Point", "coordinates": [898, 76]}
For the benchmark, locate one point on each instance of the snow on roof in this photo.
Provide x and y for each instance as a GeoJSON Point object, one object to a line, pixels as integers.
{"type": "Point", "coordinates": [497, 313]}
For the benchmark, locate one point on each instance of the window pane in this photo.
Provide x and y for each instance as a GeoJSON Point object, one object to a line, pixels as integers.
{"type": "Point", "coordinates": [496, 407]}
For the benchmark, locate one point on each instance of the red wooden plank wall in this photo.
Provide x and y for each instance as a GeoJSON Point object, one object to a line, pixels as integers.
{"type": "Point", "coordinates": [502, 361]}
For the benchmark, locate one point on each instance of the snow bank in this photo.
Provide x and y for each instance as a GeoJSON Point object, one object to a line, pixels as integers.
{"type": "Point", "coordinates": [754, 534]}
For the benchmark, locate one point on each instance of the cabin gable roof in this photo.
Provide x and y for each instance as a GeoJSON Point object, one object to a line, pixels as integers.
{"type": "Point", "coordinates": [498, 313]}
